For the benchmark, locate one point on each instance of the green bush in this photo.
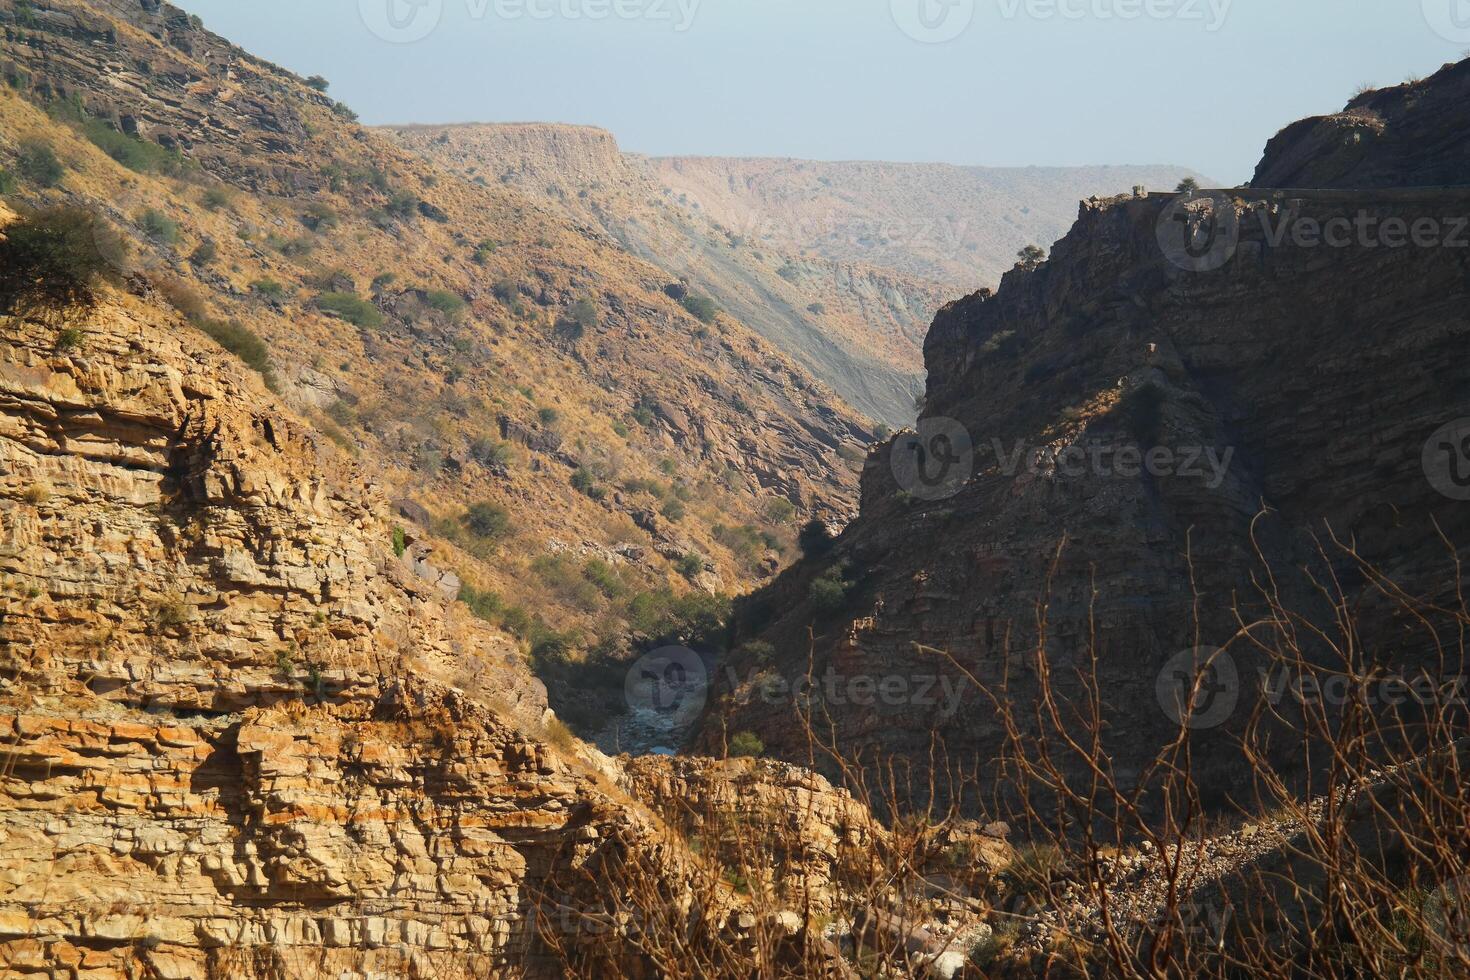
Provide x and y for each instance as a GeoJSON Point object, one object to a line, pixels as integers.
{"type": "Point", "coordinates": [216, 198]}
{"type": "Point", "coordinates": [205, 254]}
{"type": "Point", "coordinates": [690, 566]}
{"type": "Point", "coordinates": [779, 510]}
{"type": "Point", "coordinates": [402, 205]}
{"type": "Point", "coordinates": [702, 308]}
{"type": "Point", "coordinates": [605, 578]}
{"type": "Point", "coordinates": [400, 541]}
{"type": "Point", "coordinates": [829, 593]}
{"type": "Point", "coordinates": [674, 510]}
{"type": "Point", "coordinates": [487, 520]}
{"type": "Point", "coordinates": [584, 314]}
{"type": "Point", "coordinates": [548, 416]}
{"type": "Point", "coordinates": [268, 289]}
{"type": "Point", "coordinates": [318, 83]}
{"type": "Point", "coordinates": [354, 309]}
{"type": "Point", "coordinates": [1029, 259]}
{"type": "Point", "coordinates": [56, 259]}
{"type": "Point", "coordinates": [746, 745]}
{"type": "Point", "coordinates": [243, 342]}
{"type": "Point", "coordinates": [584, 481]}
{"type": "Point", "coordinates": [7, 181]}
{"type": "Point", "coordinates": [37, 163]}
{"type": "Point", "coordinates": [158, 226]}
{"type": "Point", "coordinates": [491, 453]}
{"type": "Point", "coordinates": [446, 303]}
{"type": "Point", "coordinates": [136, 154]}
{"type": "Point", "coordinates": [320, 217]}
{"type": "Point", "coordinates": [697, 618]}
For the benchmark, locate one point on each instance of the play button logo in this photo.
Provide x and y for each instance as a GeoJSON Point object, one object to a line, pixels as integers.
{"type": "Point", "coordinates": [1450, 19]}
{"type": "Point", "coordinates": [933, 21]}
{"type": "Point", "coordinates": [401, 21]}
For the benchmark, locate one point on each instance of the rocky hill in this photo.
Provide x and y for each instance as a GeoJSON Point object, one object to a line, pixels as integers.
{"type": "Point", "coordinates": [856, 326]}
{"type": "Point", "coordinates": [960, 226]}
{"type": "Point", "coordinates": [604, 463]}
{"type": "Point", "coordinates": [1128, 451]}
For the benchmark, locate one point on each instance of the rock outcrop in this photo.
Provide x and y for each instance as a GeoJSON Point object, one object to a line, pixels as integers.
{"type": "Point", "coordinates": [1413, 135]}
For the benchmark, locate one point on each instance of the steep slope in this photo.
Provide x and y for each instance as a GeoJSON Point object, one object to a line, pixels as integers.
{"type": "Point", "coordinates": [232, 745]}
{"type": "Point", "coordinates": [857, 327]}
{"type": "Point", "coordinates": [1412, 135]}
{"type": "Point", "coordinates": [518, 384]}
{"type": "Point", "coordinates": [961, 226]}
{"type": "Point", "coordinates": [1130, 416]}
{"type": "Point", "coordinates": [244, 737]}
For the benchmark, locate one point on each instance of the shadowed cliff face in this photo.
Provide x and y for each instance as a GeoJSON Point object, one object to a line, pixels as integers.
{"type": "Point", "coordinates": [1132, 445]}
{"type": "Point", "coordinates": [1414, 135]}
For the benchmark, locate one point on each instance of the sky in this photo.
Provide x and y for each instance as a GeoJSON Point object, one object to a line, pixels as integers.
{"type": "Point", "coordinates": [1196, 83]}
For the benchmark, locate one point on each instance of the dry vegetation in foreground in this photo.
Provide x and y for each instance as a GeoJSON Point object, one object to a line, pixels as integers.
{"type": "Point", "coordinates": [1356, 864]}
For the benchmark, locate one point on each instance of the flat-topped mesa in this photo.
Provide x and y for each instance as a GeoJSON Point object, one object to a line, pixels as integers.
{"type": "Point", "coordinates": [546, 153]}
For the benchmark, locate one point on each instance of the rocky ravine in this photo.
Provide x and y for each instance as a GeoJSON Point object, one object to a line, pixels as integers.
{"type": "Point", "coordinates": [1305, 381]}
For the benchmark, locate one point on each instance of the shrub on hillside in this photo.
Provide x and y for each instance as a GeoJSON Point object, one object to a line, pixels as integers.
{"type": "Point", "coordinates": [136, 154]}
{"type": "Point", "coordinates": [746, 745]}
{"type": "Point", "coordinates": [268, 289]}
{"type": "Point", "coordinates": [318, 83]}
{"type": "Point", "coordinates": [487, 520]}
{"type": "Point", "coordinates": [205, 254]}
{"type": "Point", "coordinates": [7, 181]}
{"type": "Point", "coordinates": [829, 593]}
{"type": "Point", "coordinates": [158, 226]}
{"type": "Point", "coordinates": [216, 198]}
{"type": "Point", "coordinates": [447, 303]}
{"type": "Point", "coordinates": [354, 309]}
{"type": "Point", "coordinates": [1029, 259]}
{"type": "Point", "coordinates": [243, 342]}
{"type": "Point", "coordinates": [702, 308]}
{"type": "Point", "coordinates": [57, 258]}
{"type": "Point", "coordinates": [37, 164]}
{"type": "Point", "coordinates": [320, 217]}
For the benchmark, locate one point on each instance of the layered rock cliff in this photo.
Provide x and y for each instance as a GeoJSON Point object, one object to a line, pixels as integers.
{"type": "Point", "coordinates": [247, 733]}
{"type": "Point", "coordinates": [1114, 422]}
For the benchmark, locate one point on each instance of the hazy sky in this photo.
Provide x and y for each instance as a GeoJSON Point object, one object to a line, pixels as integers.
{"type": "Point", "coordinates": [1201, 83]}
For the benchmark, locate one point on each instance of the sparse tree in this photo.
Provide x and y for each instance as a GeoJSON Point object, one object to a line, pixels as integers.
{"type": "Point", "coordinates": [1029, 259]}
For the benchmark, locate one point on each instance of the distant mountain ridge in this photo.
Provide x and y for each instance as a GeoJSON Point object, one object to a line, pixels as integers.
{"type": "Point", "coordinates": [811, 255]}
{"type": "Point", "coordinates": [958, 225]}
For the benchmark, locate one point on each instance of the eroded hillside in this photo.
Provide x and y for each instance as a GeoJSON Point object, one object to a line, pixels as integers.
{"type": "Point", "coordinates": [858, 327]}
{"type": "Point", "coordinates": [604, 464]}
